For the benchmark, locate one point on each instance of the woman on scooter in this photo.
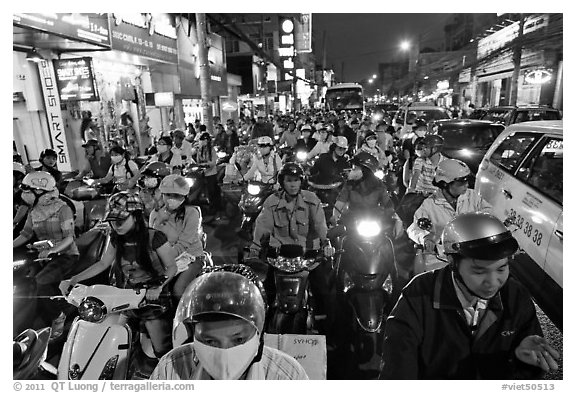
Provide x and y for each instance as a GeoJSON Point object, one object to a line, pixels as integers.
{"type": "Point", "coordinates": [50, 218]}
{"type": "Point", "coordinates": [205, 153]}
{"type": "Point", "coordinates": [137, 256]}
{"type": "Point", "coordinates": [219, 332]}
{"type": "Point", "coordinates": [165, 155]}
{"type": "Point", "coordinates": [123, 172]}
{"type": "Point", "coordinates": [149, 184]}
{"type": "Point", "coordinates": [182, 225]}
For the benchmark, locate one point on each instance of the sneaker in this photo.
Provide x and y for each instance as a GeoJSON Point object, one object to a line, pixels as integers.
{"type": "Point", "coordinates": [58, 326]}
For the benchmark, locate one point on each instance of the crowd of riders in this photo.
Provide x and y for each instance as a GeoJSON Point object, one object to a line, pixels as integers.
{"type": "Point", "coordinates": [156, 237]}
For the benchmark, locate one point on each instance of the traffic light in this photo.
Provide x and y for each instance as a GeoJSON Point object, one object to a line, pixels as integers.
{"type": "Point", "coordinates": [286, 45]}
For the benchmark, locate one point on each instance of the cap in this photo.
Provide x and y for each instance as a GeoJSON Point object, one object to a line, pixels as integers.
{"type": "Point", "coordinates": [121, 205]}
{"type": "Point", "coordinates": [265, 140]}
{"type": "Point", "coordinates": [306, 127]}
{"type": "Point", "coordinates": [174, 184]}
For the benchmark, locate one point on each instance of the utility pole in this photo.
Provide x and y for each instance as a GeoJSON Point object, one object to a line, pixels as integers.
{"type": "Point", "coordinates": [204, 71]}
{"type": "Point", "coordinates": [517, 59]}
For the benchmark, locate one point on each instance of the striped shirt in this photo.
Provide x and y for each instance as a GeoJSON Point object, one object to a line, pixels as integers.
{"type": "Point", "coordinates": [56, 228]}
{"type": "Point", "coordinates": [181, 363]}
{"type": "Point", "coordinates": [427, 171]}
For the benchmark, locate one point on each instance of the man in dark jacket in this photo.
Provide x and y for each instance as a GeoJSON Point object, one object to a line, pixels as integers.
{"type": "Point", "coordinates": [467, 320]}
{"type": "Point", "coordinates": [262, 127]}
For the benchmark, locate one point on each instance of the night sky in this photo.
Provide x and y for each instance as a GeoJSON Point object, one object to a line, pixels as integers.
{"type": "Point", "coordinates": [362, 41]}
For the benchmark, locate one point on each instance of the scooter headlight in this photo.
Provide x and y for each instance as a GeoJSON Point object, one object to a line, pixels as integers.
{"type": "Point", "coordinates": [379, 174]}
{"type": "Point", "coordinates": [301, 155]}
{"type": "Point", "coordinates": [189, 181]}
{"type": "Point", "coordinates": [253, 189]}
{"type": "Point", "coordinates": [92, 309]}
{"type": "Point", "coordinates": [221, 154]}
{"type": "Point", "coordinates": [368, 228]}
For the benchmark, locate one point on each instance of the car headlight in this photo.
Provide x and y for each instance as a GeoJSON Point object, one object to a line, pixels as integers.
{"type": "Point", "coordinates": [189, 181]}
{"type": "Point", "coordinates": [92, 309]}
{"type": "Point", "coordinates": [466, 152]}
{"type": "Point", "coordinates": [221, 154]}
{"type": "Point", "coordinates": [301, 155]}
{"type": "Point", "coordinates": [368, 228]}
{"type": "Point", "coordinates": [253, 189]}
{"type": "Point", "coordinates": [377, 116]}
{"type": "Point", "coordinates": [379, 174]}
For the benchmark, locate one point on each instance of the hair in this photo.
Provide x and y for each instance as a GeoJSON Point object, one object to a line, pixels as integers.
{"type": "Point", "coordinates": [141, 236]}
{"type": "Point", "coordinates": [208, 147]}
{"type": "Point", "coordinates": [166, 139]}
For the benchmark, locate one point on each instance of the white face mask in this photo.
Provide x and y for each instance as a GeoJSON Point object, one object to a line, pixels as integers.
{"type": "Point", "coordinates": [162, 148]}
{"type": "Point", "coordinates": [229, 363]}
{"type": "Point", "coordinates": [173, 203]}
{"type": "Point", "coordinates": [420, 133]}
{"type": "Point", "coordinates": [371, 142]}
{"type": "Point", "coordinates": [116, 159]}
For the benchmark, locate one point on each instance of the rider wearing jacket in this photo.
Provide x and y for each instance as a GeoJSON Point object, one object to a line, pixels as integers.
{"type": "Point", "coordinates": [218, 332]}
{"type": "Point", "coordinates": [267, 163]}
{"type": "Point", "coordinates": [330, 166]}
{"type": "Point", "coordinates": [50, 218]}
{"type": "Point", "coordinates": [468, 320]}
{"type": "Point", "coordinates": [452, 198]}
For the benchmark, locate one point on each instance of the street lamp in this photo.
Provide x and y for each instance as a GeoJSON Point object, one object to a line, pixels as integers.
{"type": "Point", "coordinates": [374, 76]}
{"type": "Point", "coordinates": [370, 80]}
{"type": "Point", "coordinates": [405, 45]}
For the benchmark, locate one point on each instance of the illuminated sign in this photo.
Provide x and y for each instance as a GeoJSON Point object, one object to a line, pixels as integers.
{"type": "Point", "coordinates": [54, 114]}
{"type": "Point", "coordinates": [92, 28]}
{"type": "Point", "coordinates": [537, 77]}
{"type": "Point", "coordinates": [303, 39]}
{"type": "Point", "coordinates": [164, 99]}
{"type": "Point", "coordinates": [75, 79]}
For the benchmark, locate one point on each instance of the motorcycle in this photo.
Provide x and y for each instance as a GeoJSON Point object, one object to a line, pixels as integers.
{"type": "Point", "coordinates": [253, 196]}
{"type": "Point", "coordinates": [29, 351]}
{"type": "Point", "coordinates": [364, 261]}
{"type": "Point", "coordinates": [327, 193]}
{"type": "Point", "coordinates": [286, 278]}
{"type": "Point", "coordinates": [91, 198]}
{"type": "Point", "coordinates": [194, 175]}
{"type": "Point", "coordinates": [102, 343]}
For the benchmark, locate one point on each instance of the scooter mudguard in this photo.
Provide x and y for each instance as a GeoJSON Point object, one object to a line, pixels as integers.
{"type": "Point", "coordinates": [367, 258]}
{"type": "Point", "coordinates": [368, 308]}
{"type": "Point", "coordinates": [290, 290]}
{"type": "Point", "coordinates": [97, 350]}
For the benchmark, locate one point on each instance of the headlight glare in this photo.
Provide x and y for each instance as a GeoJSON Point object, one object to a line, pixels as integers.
{"type": "Point", "coordinates": [253, 189]}
{"type": "Point", "coordinates": [368, 228]}
{"type": "Point", "coordinates": [92, 309]}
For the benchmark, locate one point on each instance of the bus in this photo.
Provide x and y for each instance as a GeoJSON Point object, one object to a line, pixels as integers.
{"type": "Point", "coordinates": [345, 96]}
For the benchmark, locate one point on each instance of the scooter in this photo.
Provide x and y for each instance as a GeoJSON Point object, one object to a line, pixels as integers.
{"type": "Point", "coordinates": [286, 280]}
{"type": "Point", "coordinates": [327, 193]}
{"type": "Point", "coordinates": [364, 262]}
{"type": "Point", "coordinates": [29, 351]}
{"type": "Point", "coordinates": [253, 196]}
{"type": "Point", "coordinates": [92, 199]}
{"type": "Point", "coordinates": [102, 343]}
{"type": "Point", "coordinates": [194, 175]}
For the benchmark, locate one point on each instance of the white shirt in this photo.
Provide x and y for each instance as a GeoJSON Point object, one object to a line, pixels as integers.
{"type": "Point", "coordinates": [184, 150]}
{"type": "Point", "coordinates": [268, 170]}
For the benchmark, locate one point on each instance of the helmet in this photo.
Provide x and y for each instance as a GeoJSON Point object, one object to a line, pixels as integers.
{"type": "Point", "coordinates": [121, 205]}
{"type": "Point", "coordinates": [47, 153]}
{"type": "Point", "coordinates": [292, 169]}
{"type": "Point", "coordinates": [450, 170]}
{"type": "Point", "coordinates": [420, 122]}
{"type": "Point", "coordinates": [265, 140]}
{"type": "Point", "coordinates": [39, 180]}
{"type": "Point", "coordinates": [479, 236]}
{"type": "Point", "coordinates": [157, 170]}
{"type": "Point", "coordinates": [232, 290]}
{"type": "Point", "coordinates": [340, 141]}
{"type": "Point", "coordinates": [205, 136]}
{"type": "Point", "coordinates": [433, 141]}
{"type": "Point", "coordinates": [174, 184]}
{"type": "Point", "coordinates": [366, 160]}
{"type": "Point", "coordinates": [19, 168]}
{"type": "Point", "coordinates": [370, 134]}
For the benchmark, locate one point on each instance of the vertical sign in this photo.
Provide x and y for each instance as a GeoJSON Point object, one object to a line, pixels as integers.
{"type": "Point", "coordinates": [54, 114]}
{"type": "Point", "coordinates": [303, 37]}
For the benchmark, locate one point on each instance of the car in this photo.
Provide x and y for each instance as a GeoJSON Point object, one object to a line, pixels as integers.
{"type": "Point", "coordinates": [379, 110]}
{"type": "Point", "coordinates": [508, 115]}
{"type": "Point", "coordinates": [406, 116]}
{"type": "Point", "coordinates": [467, 140]}
{"type": "Point", "coordinates": [521, 177]}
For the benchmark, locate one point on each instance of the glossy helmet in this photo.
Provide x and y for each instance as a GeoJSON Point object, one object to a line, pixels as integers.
{"type": "Point", "coordinates": [39, 180]}
{"type": "Point", "coordinates": [434, 142]}
{"type": "Point", "coordinates": [340, 141]}
{"type": "Point", "coordinates": [292, 169]}
{"type": "Point", "coordinates": [366, 160]}
{"type": "Point", "coordinates": [370, 134]}
{"type": "Point", "coordinates": [156, 170]}
{"type": "Point", "coordinates": [451, 170]}
{"type": "Point", "coordinates": [174, 184]}
{"type": "Point", "coordinates": [265, 141]}
{"type": "Point", "coordinates": [478, 236]}
{"type": "Point", "coordinates": [121, 205]}
{"type": "Point", "coordinates": [232, 290]}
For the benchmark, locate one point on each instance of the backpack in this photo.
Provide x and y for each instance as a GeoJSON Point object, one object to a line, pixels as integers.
{"type": "Point", "coordinates": [128, 170]}
{"type": "Point", "coordinates": [408, 205]}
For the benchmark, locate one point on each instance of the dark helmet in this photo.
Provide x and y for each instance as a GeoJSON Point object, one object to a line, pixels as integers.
{"type": "Point", "coordinates": [370, 134]}
{"type": "Point", "coordinates": [366, 160]}
{"type": "Point", "coordinates": [155, 170]}
{"type": "Point", "coordinates": [292, 169]}
{"type": "Point", "coordinates": [434, 141]}
{"type": "Point", "coordinates": [420, 122]}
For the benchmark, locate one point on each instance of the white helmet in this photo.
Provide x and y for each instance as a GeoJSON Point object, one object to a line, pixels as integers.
{"type": "Point", "coordinates": [39, 180]}
{"type": "Point", "coordinates": [19, 168]}
{"type": "Point", "coordinates": [265, 140]}
{"type": "Point", "coordinates": [450, 170]}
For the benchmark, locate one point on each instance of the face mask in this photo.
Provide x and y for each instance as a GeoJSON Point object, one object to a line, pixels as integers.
{"type": "Point", "coordinates": [150, 182]}
{"type": "Point", "coordinates": [229, 363]}
{"type": "Point", "coordinates": [162, 148]}
{"type": "Point", "coordinates": [420, 133]}
{"type": "Point", "coordinates": [371, 142]}
{"type": "Point", "coordinates": [29, 198]}
{"type": "Point", "coordinates": [173, 203]}
{"type": "Point", "coordinates": [116, 159]}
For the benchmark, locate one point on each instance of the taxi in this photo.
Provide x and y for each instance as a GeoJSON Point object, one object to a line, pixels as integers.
{"type": "Point", "coordinates": [521, 177]}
